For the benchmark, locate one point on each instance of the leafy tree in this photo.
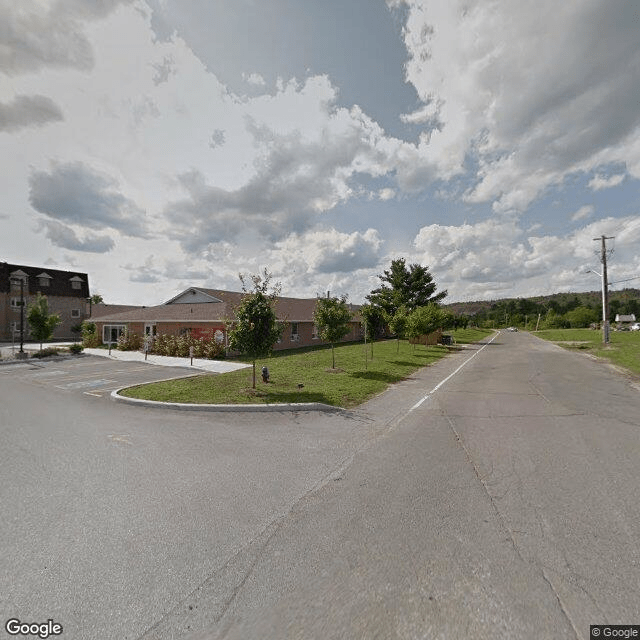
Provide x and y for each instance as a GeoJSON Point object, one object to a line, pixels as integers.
{"type": "Point", "coordinates": [374, 321]}
{"type": "Point", "coordinates": [424, 320]}
{"type": "Point", "coordinates": [398, 324]}
{"type": "Point", "coordinates": [332, 318]}
{"type": "Point", "coordinates": [42, 322]}
{"type": "Point", "coordinates": [410, 286]}
{"type": "Point", "coordinates": [256, 328]}
{"type": "Point", "coordinates": [581, 317]}
{"type": "Point", "coordinates": [96, 298]}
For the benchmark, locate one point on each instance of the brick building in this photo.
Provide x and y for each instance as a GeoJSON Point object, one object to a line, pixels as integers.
{"type": "Point", "coordinates": [67, 294]}
{"type": "Point", "coordinates": [199, 312]}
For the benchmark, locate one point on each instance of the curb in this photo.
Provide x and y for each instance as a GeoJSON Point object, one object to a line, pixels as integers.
{"type": "Point", "coordinates": [253, 408]}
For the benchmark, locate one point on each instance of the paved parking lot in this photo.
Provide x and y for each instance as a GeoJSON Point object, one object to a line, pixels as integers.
{"type": "Point", "coordinates": [90, 375]}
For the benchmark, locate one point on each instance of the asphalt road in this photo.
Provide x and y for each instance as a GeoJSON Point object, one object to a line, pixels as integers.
{"type": "Point", "coordinates": [495, 500]}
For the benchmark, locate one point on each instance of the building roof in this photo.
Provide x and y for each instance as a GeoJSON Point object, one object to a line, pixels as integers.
{"type": "Point", "coordinates": [99, 310]}
{"type": "Point", "coordinates": [287, 309]}
{"type": "Point", "coordinates": [59, 281]}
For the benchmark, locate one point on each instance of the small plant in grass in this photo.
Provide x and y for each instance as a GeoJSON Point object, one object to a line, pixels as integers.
{"type": "Point", "coordinates": [76, 348]}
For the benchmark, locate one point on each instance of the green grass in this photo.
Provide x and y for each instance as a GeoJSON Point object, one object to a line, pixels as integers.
{"type": "Point", "coordinates": [623, 348]}
{"type": "Point", "coordinates": [353, 381]}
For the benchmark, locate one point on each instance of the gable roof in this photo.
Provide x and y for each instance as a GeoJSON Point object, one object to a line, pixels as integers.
{"type": "Point", "coordinates": [287, 309]}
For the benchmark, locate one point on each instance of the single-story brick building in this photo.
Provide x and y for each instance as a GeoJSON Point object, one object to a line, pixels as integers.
{"type": "Point", "coordinates": [201, 312]}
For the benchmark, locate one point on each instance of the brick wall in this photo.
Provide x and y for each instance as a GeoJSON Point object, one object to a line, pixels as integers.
{"type": "Point", "coordinates": [62, 305]}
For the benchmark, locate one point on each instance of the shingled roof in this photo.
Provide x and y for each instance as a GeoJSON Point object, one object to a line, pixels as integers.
{"type": "Point", "coordinates": [287, 309]}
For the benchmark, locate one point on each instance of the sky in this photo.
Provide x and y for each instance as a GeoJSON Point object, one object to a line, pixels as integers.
{"type": "Point", "coordinates": [163, 144]}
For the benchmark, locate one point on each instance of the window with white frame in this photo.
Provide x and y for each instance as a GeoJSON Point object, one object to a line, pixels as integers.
{"type": "Point", "coordinates": [295, 336]}
{"type": "Point", "coordinates": [15, 303]}
{"type": "Point", "coordinates": [314, 332]}
{"type": "Point", "coordinates": [76, 284]}
{"type": "Point", "coordinates": [44, 281]}
{"type": "Point", "coordinates": [75, 313]}
{"type": "Point", "coordinates": [111, 332]}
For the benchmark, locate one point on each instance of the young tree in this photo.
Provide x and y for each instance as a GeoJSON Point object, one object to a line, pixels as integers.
{"type": "Point", "coordinates": [96, 298]}
{"type": "Point", "coordinates": [42, 323]}
{"type": "Point", "coordinates": [398, 324]}
{"type": "Point", "coordinates": [256, 328]}
{"type": "Point", "coordinates": [374, 321]}
{"type": "Point", "coordinates": [332, 318]}
{"type": "Point", "coordinates": [424, 320]}
{"type": "Point", "coordinates": [410, 286]}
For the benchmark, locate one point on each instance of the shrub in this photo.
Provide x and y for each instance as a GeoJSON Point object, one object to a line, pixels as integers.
{"type": "Point", "coordinates": [178, 346]}
{"type": "Point", "coordinates": [76, 348]}
{"type": "Point", "coordinates": [90, 337]}
{"type": "Point", "coordinates": [128, 341]}
{"type": "Point", "coordinates": [44, 353]}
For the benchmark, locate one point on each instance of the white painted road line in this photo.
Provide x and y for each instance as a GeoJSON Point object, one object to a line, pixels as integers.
{"type": "Point", "coordinates": [417, 404]}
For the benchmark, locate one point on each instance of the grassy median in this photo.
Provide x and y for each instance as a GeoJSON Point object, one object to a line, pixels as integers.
{"type": "Point", "coordinates": [623, 348]}
{"type": "Point", "coordinates": [354, 380]}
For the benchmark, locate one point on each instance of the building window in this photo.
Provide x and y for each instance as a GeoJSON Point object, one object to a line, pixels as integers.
{"type": "Point", "coordinates": [150, 330]}
{"type": "Point", "coordinates": [111, 332]}
{"type": "Point", "coordinates": [185, 331]}
{"type": "Point", "coordinates": [15, 304]}
{"type": "Point", "coordinates": [76, 284]}
{"type": "Point", "coordinates": [218, 336]}
{"type": "Point", "coordinates": [75, 313]}
{"type": "Point", "coordinates": [15, 283]}
{"type": "Point", "coordinates": [294, 332]}
{"type": "Point", "coordinates": [314, 333]}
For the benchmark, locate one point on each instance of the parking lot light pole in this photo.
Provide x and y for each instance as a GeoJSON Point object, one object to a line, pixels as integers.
{"type": "Point", "coordinates": [21, 281]}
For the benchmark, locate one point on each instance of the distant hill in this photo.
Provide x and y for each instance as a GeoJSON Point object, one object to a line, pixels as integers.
{"type": "Point", "coordinates": [584, 298]}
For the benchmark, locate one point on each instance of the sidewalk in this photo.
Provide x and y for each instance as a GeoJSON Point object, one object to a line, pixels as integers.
{"type": "Point", "coordinates": [213, 366]}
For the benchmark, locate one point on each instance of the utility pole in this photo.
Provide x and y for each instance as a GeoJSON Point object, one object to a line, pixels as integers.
{"type": "Point", "coordinates": [605, 287]}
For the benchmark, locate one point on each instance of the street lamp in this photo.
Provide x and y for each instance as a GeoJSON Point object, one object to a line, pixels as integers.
{"type": "Point", "coordinates": [605, 304]}
{"type": "Point", "coordinates": [21, 281]}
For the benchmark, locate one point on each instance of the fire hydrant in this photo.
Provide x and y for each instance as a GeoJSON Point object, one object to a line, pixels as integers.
{"type": "Point", "coordinates": [265, 374]}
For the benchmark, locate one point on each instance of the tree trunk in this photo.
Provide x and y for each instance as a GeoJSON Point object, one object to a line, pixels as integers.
{"type": "Point", "coordinates": [333, 358]}
{"type": "Point", "coordinates": [254, 374]}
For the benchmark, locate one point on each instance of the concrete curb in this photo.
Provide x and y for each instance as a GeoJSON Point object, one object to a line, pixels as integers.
{"type": "Point", "coordinates": [254, 408]}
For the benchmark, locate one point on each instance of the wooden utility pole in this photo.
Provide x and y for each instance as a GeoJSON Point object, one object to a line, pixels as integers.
{"type": "Point", "coordinates": [605, 287]}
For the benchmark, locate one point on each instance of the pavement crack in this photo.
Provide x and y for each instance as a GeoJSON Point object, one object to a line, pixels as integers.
{"type": "Point", "coordinates": [565, 611]}
{"type": "Point", "coordinates": [494, 506]}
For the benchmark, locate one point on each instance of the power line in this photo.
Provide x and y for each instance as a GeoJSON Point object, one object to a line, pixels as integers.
{"type": "Point", "coordinates": [627, 280]}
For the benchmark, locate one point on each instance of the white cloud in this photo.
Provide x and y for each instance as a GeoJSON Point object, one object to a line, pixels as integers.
{"type": "Point", "coordinates": [504, 83]}
{"type": "Point", "coordinates": [254, 79]}
{"type": "Point", "coordinates": [583, 212]}
{"type": "Point", "coordinates": [599, 181]}
{"type": "Point", "coordinates": [497, 258]}
{"type": "Point", "coordinates": [49, 34]}
{"type": "Point", "coordinates": [387, 194]}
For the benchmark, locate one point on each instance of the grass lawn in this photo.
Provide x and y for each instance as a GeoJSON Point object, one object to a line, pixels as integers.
{"type": "Point", "coordinates": [622, 350]}
{"type": "Point", "coordinates": [353, 381]}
